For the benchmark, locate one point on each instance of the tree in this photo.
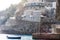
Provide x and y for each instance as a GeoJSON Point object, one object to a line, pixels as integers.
{"type": "Point", "coordinates": [19, 11]}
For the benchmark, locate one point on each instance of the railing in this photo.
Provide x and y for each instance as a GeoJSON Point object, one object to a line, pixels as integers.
{"type": "Point", "coordinates": [35, 4]}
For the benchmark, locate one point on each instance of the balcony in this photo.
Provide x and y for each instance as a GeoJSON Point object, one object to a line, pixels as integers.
{"type": "Point", "coordinates": [35, 4]}
{"type": "Point", "coordinates": [30, 1]}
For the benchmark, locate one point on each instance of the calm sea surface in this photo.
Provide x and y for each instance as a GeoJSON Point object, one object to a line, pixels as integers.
{"type": "Point", "coordinates": [23, 37]}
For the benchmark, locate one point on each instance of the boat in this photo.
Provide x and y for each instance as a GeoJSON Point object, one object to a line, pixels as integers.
{"type": "Point", "coordinates": [13, 37]}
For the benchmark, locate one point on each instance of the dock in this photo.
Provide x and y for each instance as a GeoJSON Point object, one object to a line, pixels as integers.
{"type": "Point", "coordinates": [51, 36]}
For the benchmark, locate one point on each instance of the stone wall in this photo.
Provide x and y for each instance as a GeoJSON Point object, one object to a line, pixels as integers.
{"type": "Point", "coordinates": [20, 27]}
{"type": "Point", "coordinates": [58, 10]}
{"type": "Point", "coordinates": [26, 27]}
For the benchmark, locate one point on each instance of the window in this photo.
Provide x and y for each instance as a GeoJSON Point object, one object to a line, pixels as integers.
{"type": "Point", "coordinates": [37, 8]}
{"type": "Point", "coordinates": [41, 0]}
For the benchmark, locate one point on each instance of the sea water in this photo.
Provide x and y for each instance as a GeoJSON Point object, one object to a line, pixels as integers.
{"type": "Point", "coordinates": [23, 37]}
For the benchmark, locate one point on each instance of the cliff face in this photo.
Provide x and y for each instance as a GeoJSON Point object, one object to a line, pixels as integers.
{"type": "Point", "coordinates": [26, 27]}
{"type": "Point", "coordinates": [18, 26]}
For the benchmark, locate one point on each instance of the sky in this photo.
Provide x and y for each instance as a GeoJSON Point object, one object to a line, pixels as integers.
{"type": "Point", "coordinates": [6, 3]}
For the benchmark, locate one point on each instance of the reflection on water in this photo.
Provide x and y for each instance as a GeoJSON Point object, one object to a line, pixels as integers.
{"type": "Point", "coordinates": [23, 37]}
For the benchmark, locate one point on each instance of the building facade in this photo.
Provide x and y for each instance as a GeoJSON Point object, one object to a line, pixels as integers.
{"type": "Point", "coordinates": [37, 11]}
{"type": "Point", "coordinates": [33, 10]}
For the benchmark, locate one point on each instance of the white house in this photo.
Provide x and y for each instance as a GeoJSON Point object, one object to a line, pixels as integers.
{"type": "Point", "coordinates": [33, 10]}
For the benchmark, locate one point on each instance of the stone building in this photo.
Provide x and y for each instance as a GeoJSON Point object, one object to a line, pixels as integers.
{"type": "Point", "coordinates": [32, 14]}
{"type": "Point", "coordinates": [32, 10]}
{"type": "Point", "coordinates": [28, 17]}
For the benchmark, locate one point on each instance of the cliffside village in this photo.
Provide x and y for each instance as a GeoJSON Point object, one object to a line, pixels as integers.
{"type": "Point", "coordinates": [32, 16]}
